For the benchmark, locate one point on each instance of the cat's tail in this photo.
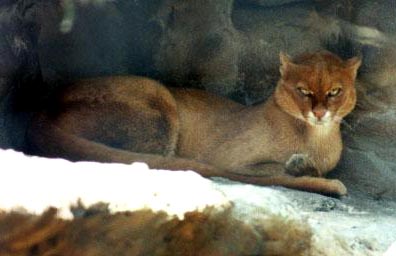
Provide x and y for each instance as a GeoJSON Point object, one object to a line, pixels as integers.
{"type": "Point", "coordinates": [332, 187]}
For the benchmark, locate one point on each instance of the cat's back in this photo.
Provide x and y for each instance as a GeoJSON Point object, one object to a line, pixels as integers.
{"type": "Point", "coordinates": [195, 100]}
{"type": "Point", "coordinates": [135, 89]}
{"type": "Point", "coordinates": [123, 88]}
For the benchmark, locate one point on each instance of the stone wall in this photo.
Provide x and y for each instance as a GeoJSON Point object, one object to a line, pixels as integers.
{"type": "Point", "coordinates": [20, 76]}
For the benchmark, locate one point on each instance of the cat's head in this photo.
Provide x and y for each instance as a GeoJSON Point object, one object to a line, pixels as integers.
{"type": "Point", "coordinates": [317, 88]}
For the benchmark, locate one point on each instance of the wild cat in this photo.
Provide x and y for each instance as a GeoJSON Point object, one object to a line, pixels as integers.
{"type": "Point", "coordinates": [292, 139]}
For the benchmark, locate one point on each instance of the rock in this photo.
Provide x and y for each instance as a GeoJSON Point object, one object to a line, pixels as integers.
{"type": "Point", "coordinates": [271, 3]}
{"type": "Point", "coordinates": [197, 215]}
{"type": "Point", "coordinates": [376, 14]}
{"type": "Point", "coordinates": [225, 47]}
{"type": "Point", "coordinates": [367, 165]}
{"type": "Point", "coordinates": [202, 44]}
{"type": "Point", "coordinates": [230, 48]}
{"type": "Point", "coordinates": [20, 76]}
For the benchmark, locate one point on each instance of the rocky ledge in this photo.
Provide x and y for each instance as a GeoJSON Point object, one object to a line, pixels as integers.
{"type": "Point", "coordinates": [55, 207]}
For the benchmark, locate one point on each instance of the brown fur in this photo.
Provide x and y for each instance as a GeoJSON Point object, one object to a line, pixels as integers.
{"type": "Point", "coordinates": [127, 119]}
{"type": "Point", "coordinates": [144, 232]}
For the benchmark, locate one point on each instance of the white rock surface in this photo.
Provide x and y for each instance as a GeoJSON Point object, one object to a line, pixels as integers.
{"type": "Point", "coordinates": [340, 226]}
{"type": "Point", "coordinates": [36, 183]}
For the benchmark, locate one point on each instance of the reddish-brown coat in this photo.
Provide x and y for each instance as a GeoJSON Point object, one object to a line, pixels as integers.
{"type": "Point", "coordinates": [127, 119]}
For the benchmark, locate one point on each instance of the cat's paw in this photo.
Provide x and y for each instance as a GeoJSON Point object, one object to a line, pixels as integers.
{"type": "Point", "coordinates": [301, 165]}
{"type": "Point", "coordinates": [337, 188]}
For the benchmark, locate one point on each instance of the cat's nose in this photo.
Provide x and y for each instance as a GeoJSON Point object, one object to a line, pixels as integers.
{"type": "Point", "coordinates": [319, 112]}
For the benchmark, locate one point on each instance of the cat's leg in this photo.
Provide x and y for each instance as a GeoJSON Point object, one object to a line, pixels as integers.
{"type": "Point", "coordinates": [276, 174]}
{"type": "Point", "coordinates": [311, 184]}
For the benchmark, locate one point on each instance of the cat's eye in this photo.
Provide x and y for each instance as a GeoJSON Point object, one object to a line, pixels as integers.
{"type": "Point", "coordinates": [334, 92]}
{"type": "Point", "coordinates": [304, 91]}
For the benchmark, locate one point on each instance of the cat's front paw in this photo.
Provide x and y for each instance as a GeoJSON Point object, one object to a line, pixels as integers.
{"type": "Point", "coordinates": [338, 188]}
{"type": "Point", "coordinates": [301, 165]}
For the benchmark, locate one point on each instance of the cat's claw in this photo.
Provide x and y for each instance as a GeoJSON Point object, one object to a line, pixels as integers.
{"type": "Point", "coordinates": [301, 165]}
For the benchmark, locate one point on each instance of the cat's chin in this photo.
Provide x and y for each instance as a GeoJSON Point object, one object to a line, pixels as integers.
{"type": "Point", "coordinates": [313, 121]}
{"type": "Point", "coordinates": [319, 123]}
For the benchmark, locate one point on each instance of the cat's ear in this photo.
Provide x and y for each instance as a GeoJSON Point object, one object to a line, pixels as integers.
{"type": "Point", "coordinates": [353, 64]}
{"type": "Point", "coordinates": [285, 63]}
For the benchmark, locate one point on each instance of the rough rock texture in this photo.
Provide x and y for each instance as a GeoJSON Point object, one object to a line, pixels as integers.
{"type": "Point", "coordinates": [205, 49]}
{"type": "Point", "coordinates": [368, 167]}
{"type": "Point", "coordinates": [232, 48]}
{"type": "Point", "coordinates": [132, 233]}
{"type": "Point", "coordinates": [181, 213]}
{"type": "Point", "coordinates": [227, 47]}
{"type": "Point", "coordinates": [19, 71]}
